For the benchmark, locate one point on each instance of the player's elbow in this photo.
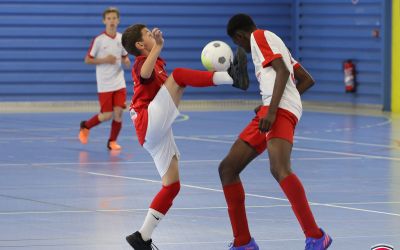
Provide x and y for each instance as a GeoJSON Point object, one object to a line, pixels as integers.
{"type": "Point", "coordinates": [145, 74]}
{"type": "Point", "coordinates": [88, 60]}
{"type": "Point", "coordinates": [310, 81]}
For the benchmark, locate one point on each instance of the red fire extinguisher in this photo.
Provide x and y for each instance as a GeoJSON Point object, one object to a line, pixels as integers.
{"type": "Point", "coordinates": [349, 76]}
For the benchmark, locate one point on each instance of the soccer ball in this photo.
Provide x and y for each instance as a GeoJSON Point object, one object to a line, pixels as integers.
{"type": "Point", "coordinates": [217, 56]}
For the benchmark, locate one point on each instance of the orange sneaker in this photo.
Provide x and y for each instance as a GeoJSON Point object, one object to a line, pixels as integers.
{"type": "Point", "coordinates": [112, 145]}
{"type": "Point", "coordinates": [83, 133]}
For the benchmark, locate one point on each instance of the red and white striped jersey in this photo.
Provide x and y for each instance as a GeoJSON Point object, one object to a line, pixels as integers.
{"type": "Point", "coordinates": [266, 47]}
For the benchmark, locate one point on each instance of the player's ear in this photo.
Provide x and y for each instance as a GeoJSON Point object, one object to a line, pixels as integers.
{"type": "Point", "coordinates": [139, 45]}
{"type": "Point", "coordinates": [240, 34]}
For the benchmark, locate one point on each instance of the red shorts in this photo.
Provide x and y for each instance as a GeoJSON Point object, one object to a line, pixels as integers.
{"type": "Point", "coordinates": [109, 100]}
{"type": "Point", "coordinates": [283, 128]}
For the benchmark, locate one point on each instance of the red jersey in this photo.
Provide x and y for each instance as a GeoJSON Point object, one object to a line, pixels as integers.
{"type": "Point", "coordinates": [144, 91]}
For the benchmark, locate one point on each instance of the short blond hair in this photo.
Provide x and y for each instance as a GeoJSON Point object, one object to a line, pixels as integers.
{"type": "Point", "coordinates": [110, 10]}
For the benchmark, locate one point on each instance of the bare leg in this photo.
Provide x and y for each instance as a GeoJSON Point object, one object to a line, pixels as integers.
{"type": "Point", "coordinates": [279, 152]}
{"type": "Point", "coordinates": [174, 90]}
{"type": "Point", "coordinates": [172, 175]}
{"type": "Point", "coordinates": [118, 111]}
{"type": "Point", "coordinates": [106, 116]}
{"type": "Point", "coordinates": [240, 155]}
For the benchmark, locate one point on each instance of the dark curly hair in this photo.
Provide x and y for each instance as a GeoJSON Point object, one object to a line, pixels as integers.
{"type": "Point", "coordinates": [239, 22]}
{"type": "Point", "coordinates": [132, 35]}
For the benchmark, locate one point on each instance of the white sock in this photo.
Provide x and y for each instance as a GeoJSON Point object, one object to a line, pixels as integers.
{"type": "Point", "coordinates": [220, 78]}
{"type": "Point", "coordinates": [150, 223]}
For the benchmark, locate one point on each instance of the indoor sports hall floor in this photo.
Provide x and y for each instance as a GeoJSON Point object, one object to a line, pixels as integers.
{"type": "Point", "coordinates": [58, 194]}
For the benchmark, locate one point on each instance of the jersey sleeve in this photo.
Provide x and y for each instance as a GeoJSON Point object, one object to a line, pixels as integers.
{"type": "Point", "coordinates": [266, 50]}
{"type": "Point", "coordinates": [124, 52]}
{"type": "Point", "coordinates": [137, 67]}
{"type": "Point", "coordinates": [94, 48]}
{"type": "Point", "coordinates": [294, 62]}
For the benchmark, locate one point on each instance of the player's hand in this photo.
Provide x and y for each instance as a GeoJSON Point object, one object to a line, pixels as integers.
{"type": "Point", "coordinates": [257, 109]}
{"type": "Point", "coordinates": [126, 62]}
{"type": "Point", "coordinates": [266, 122]}
{"type": "Point", "coordinates": [110, 59]}
{"type": "Point", "coordinates": [157, 34]}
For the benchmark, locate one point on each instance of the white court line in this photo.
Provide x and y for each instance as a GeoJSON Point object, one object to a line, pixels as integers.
{"type": "Point", "coordinates": [346, 142]}
{"type": "Point", "coordinates": [353, 236]}
{"type": "Point", "coordinates": [252, 195]}
{"type": "Point", "coordinates": [124, 210]}
{"type": "Point", "coordinates": [152, 162]}
{"type": "Point", "coordinates": [367, 203]}
{"type": "Point", "coordinates": [220, 191]}
{"type": "Point", "coordinates": [280, 240]}
{"type": "Point", "coordinates": [248, 194]}
{"type": "Point", "coordinates": [348, 154]}
{"type": "Point", "coordinates": [313, 139]}
{"type": "Point", "coordinates": [212, 137]}
{"type": "Point", "coordinates": [300, 149]}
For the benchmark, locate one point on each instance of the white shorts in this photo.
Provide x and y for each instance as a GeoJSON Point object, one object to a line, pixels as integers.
{"type": "Point", "coordinates": [159, 140]}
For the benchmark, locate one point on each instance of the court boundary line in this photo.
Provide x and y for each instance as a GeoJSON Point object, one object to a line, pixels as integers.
{"type": "Point", "coordinates": [217, 190]}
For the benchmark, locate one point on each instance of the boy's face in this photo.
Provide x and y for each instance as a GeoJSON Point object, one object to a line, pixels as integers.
{"type": "Point", "coordinates": [111, 20]}
{"type": "Point", "coordinates": [242, 39]}
{"type": "Point", "coordinates": [147, 39]}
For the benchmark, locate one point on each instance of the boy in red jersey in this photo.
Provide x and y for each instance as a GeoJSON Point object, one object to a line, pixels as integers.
{"type": "Point", "coordinates": [273, 128]}
{"type": "Point", "coordinates": [107, 53]}
{"type": "Point", "coordinates": [154, 107]}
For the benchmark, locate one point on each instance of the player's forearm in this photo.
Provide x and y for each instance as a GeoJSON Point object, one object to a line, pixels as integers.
{"type": "Point", "coordinates": [279, 87]}
{"type": "Point", "coordinates": [304, 85]}
{"type": "Point", "coordinates": [148, 65]}
{"type": "Point", "coordinates": [126, 61]}
{"type": "Point", "coordinates": [304, 79]}
{"type": "Point", "coordinates": [91, 60]}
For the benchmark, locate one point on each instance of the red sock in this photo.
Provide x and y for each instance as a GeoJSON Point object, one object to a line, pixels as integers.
{"type": "Point", "coordinates": [195, 78]}
{"type": "Point", "coordinates": [115, 128]}
{"type": "Point", "coordinates": [94, 121]}
{"type": "Point", "coordinates": [234, 196]}
{"type": "Point", "coordinates": [296, 195]}
{"type": "Point", "coordinates": [163, 200]}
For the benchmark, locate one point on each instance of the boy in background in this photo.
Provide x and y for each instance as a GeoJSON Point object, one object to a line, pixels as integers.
{"type": "Point", "coordinates": [107, 53]}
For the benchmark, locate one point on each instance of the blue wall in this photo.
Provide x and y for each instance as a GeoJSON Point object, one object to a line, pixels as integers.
{"type": "Point", "coordinates": [332, 31]}
{"type": "Point", "coordinates": [43, 42]}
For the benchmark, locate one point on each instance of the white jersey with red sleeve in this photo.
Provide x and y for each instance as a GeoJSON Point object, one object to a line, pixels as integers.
{"type": "Point", "coordinates": [110, 77]}
{"type": "Point", "coordinates": [295, 63]}
{"type": "Point", "coordinates": [266, 47]}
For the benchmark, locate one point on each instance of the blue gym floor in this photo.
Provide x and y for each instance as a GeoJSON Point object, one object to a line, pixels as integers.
{"type": "Point", "coordinates": [58, 194]}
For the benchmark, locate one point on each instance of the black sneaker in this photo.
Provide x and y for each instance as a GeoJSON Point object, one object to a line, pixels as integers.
{"type": "Point", "coordinates": [136, 241]}
{"type": "Point", "coordinates": [238, 70]}
{"type": "Point", "coordinates": [82, 125]}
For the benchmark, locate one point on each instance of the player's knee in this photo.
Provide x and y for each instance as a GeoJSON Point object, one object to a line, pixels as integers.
{"type": "Point", "coordinates": [178, 75]}
{"type": "Point", "coordinates": [117, 116]}
{"type": "Point", "coordinates": [228, 171]}
{"type": "Point", "coordinates": [279, 172]}
{"type": "Point", "coordinates": [107, 116]}
{"type": "Point", "coordinates": [223, 169]}
{"type": "Point", "coordinates": [274, 172]}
